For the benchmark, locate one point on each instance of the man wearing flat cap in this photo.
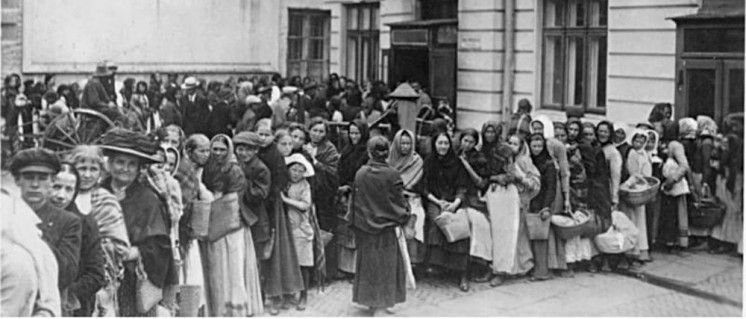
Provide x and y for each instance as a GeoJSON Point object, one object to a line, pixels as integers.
{"type": "Point", "coordinates": [34, 170]}
{"type": "Point", "coordinates": [253, 210]}
{"type": "Point", "coordinates": [194, 108]}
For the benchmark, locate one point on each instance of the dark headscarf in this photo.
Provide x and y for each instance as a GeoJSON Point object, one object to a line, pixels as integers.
{"type": "Point", "coordinates": [576, 121]}
{"type": "Point", "coordinates": [488, 147]}
{"type": "Point", "coordinates": [543, 157]}
{"type": "Point", "coordinates": [354, 156]}
{"type": "Point", "coordinates": [448, 167]}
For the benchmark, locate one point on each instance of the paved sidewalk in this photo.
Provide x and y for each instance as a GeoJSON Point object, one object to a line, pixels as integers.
{"type": "Point", "coordinates": [717, 277]}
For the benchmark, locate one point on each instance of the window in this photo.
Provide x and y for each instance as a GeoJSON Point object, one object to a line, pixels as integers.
{"type": "Point", "coordinates": [438, 9]}
{"type": "Point", "coordinates": [362, 42]}
{"type": "Point", "coordinates": [308, 44]}
{"type": "Point", "coordinates": [574, 54]}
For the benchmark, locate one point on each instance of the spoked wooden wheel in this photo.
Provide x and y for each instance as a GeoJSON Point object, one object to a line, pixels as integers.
{"type": "Point", "coordinates": [78, 127]}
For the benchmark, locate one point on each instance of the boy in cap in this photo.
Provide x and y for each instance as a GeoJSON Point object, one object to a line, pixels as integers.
{"type": "Point", "coordinates": [33, 171]}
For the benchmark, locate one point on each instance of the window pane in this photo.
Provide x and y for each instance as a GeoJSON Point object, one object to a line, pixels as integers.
{"type": "Point", "coordinates": [553, 70]}
{"type": "Point", "coordinates": [365, 18]}
{"type": "Point", "coordinates": [598, 12]}
{"type": "Point", "coordinates": [352, 57]}
{"type": "Point", "coordinates": [317, 25]}
{"type": "Point", "coordinates": [365, 59]}
{"type": "Point", "coordinates": [554, 13]}
{"type": "Point", "coordinates": [374, 18]}
{"type": "Point", "coordinates": [597, 72]}
{"type": "Point", "coordinates": [576, 12]}
{"type": "Point", "coordinates": [316, 51]}
{"type": "Point", "coordinates": [575, 74]}
{"type": "Point", "coordinates": [294, 69]}
{"type": "Point", "coordinates": [701, 91]}
{"type": "Point", "coordinates": [295, 49]}
{"type": "Point", "coordinates": [296, 25]}
{"type": "Point", "coordinates": [735, 91]}
{"type": "Point", "coordinates": [315, 70]}
{"type": "Point", "coordinates": [352, 18]}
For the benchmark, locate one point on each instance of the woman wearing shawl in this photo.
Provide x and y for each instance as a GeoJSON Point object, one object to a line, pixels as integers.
{"type": "Point", "coordinates": [378, 209]}
{"type": "Point", "coordinates": [561, 202]}
{"type": "Point", "coordinates": [491, 137]}
{"type": "Point", "coordinates": [79, 297]}
{"type": "Point", "coordinates": [104, 208]}
{"type": "Point", "coordinates": [508, 202]}
{"type": "Point", "coordinates": [605, 136]}
{"type": "Point", "coordinates": [707, 130]}
{"type": "Point", "coordinates": [225, 259]}
{"type": "Point", "coordinates": [673, 231]}
{"type": "Point", "coordinates": [728, 236]}
{"type": "Point", "coordinates": [688, 129]}
{"type": "Point", "coordinates": [145, 215]}
{"type": "Point", "coordinates": [189, 175]}
{"type": "Point", "coordinates": [543, 202]}
{"type": "Point", "coordinates": [638, 164]}
{"type": "Point", "coordinates": [477, 166]}
{"type": "Point", "coordinates": [354, 156]}
{"type": "Point", "coordinates": [446, 182]}
{"type": "Point", "coordinates": [281, 271]}
{"type": "Point", "coordinates": [409, 164]}
{"type": "Point", "coordinates": [577, 249]}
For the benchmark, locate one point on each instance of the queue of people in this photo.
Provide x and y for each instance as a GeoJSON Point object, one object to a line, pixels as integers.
{"type": "Point", "coordinates": [241, 201]}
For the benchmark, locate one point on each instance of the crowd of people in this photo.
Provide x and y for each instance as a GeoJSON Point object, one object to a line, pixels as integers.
{"type": "Point", "coordinates": [223, 199]}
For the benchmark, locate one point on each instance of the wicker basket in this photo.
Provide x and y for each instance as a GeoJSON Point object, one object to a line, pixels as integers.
{"type": "Point", "coordinates": [189, 300]}
{"type": "Point", "coordinates": [641, 197]}
{"type": "Point", "coordinates": [587, 229]}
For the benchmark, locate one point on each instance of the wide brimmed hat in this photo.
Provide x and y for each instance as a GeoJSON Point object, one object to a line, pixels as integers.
{"type": "Point", "coordinates": [190, 83]}
{"type": "Point", "coordinates": [299, 158]}
{"type": "Point", "coordinates": [119, 140]}
{"type": "Point", "coordinates": [102, 70]}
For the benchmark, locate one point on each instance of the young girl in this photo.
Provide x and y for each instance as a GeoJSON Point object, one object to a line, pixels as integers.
{"type": "Point", "coordinates": [298, 201]}
{"type": "Point", "coordinates": [639, 165]}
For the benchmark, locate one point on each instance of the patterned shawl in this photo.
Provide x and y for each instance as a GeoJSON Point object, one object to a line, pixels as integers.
{"type": "Point", "coordinates": [409, 165]}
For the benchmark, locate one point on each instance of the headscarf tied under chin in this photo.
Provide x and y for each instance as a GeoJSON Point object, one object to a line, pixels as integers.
{"type": "Point", "coordinates": [546, 123]}
{"type": "Point", "coordinates": [409, 165]}
{"type": "Point", "coordinates": [486, 146]}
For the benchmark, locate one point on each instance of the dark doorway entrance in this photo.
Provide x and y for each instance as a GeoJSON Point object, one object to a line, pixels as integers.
{"type": "Point", "coordinates": [410, 64]}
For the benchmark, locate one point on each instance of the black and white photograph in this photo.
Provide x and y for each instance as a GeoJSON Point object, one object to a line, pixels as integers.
{"type": "Point", "coordinates": [372, 158]}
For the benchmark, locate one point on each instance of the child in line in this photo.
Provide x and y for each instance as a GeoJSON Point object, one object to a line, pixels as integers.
{"type": "Point", "coordinates": [298, 201]}
{"type": "Point", "coordinates": [639, 165]}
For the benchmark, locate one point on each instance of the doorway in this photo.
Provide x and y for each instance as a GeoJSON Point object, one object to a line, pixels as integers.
{"type": "Point", "coordinates": [712, 87]}
{"type": "Point", "coordinates": [410, 64]}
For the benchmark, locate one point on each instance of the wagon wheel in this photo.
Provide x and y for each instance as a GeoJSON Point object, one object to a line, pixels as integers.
{"type": "Point", "coordinates": [78, 127]}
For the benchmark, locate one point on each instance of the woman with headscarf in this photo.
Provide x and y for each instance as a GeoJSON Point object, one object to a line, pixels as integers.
{"type": "Point", "coordinates": [354, 156]}
{"type": "Point", "coordinates": [281, 270]}
{"type": "Point", "coordinates": [139, 102]}
{"type": "Point", "coordinates": [378, 209]}
{"type": "Point", "coordinates": [79, 298]}
{"type": "Point", "coordinates": [409, 164]}
{"type": "Point", "coordinates": [97, 202]}
{"type": "Point", "coordinates": [491, 137]}
{"type": "Point", "coordinates": [673, 231]}
{"type": "Point", "coordinates": [477, 166]}
{"type": "Point", "coordinates": [225, 258]}
{"type": "Point", "coordinates": [638, 164]}
{"type": "Point", "coordinates": [560, 131]}
{"type": "Point", "coordinates": [561, 202]}
{"type": "Point", "coordinates": [605, 136]}
{"type": "Point", "coordinates": [508, 202]}
{"type": "Point", "coordinates": [146, 217]}
{"type": "Point", "coordinates": [578, 250]}
{"type": "Point", "coordinates": [707, 130]}
{"type": "Point", "coordinates": [445, 186]}
{"type": "Point", "coordinates": [574, 132]}
{"type": "Point", "coordinates": [543, 202]}
{"type": "Point", "coordinates": [728, 235]}
{"type": "Point", "coordinates": [688, 137]}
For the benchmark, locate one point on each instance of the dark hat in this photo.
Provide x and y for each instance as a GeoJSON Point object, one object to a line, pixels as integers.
{"type": "Point", "coordinates": [119, 140]}
{"type": "Point", "coordinates": [35, 159]}
{"type": "Point", "coordinates": [248, 138]}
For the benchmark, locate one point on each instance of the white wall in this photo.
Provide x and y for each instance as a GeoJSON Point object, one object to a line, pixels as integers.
{"type": "Point", "coordinates": [151, 35]}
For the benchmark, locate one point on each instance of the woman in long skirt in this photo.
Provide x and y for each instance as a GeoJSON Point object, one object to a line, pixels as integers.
{"type": "Point", "coordinates": [729, 234]}
{"type": "Point", "coordinates": [229, 263]}
{"type": "Point", "coordinates": [380, 280]}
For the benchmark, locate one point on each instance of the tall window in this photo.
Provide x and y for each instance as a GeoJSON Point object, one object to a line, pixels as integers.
{"type": "Point", "coordinates": [362, 42]}
{"type": "Point", "coordinates": [308, 44]}
{"type": "Point", "coordinates": [574, 54]}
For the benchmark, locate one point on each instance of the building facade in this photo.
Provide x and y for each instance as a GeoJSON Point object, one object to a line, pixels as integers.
{"type": "Point", "coordinates": [598, 58]}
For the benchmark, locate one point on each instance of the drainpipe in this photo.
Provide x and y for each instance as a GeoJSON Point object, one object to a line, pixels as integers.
{"type": "Point", "coordinates": [508, 60]}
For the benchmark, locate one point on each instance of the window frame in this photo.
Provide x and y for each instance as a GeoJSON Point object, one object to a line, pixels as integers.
{"type": "Point", "coordinates": [305, 61]}
{"type": "Point", "coordinates": [356, 66]}
{"type": "Point", "coordinates": [565, 32]}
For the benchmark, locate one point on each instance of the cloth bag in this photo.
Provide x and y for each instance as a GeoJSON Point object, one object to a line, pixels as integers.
{"type": "Point", "coordinates": [455, 226]}
{"type": "Point", "coordinates": [503, 204]}
{"type": "Point", "coordinates": [621, 237]}
{"type": "Point", "coordinates": [147, 294]}
{"type": "Point", "coordinates": [671, 168]}
{"type": "Point", "coordinates": [224, 217]}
